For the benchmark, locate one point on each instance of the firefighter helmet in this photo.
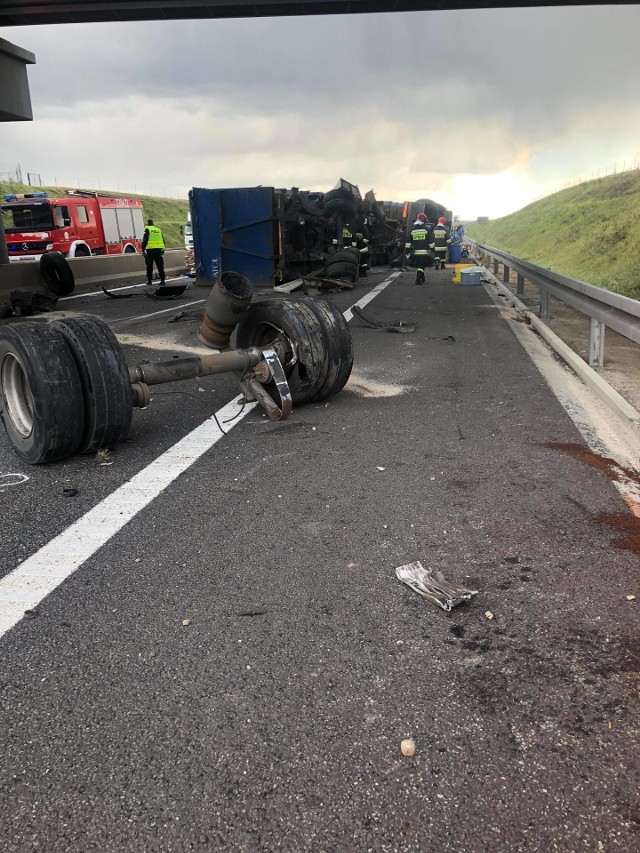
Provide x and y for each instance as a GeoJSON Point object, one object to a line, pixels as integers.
{"type": "Point", "coordinates": [441, 220]}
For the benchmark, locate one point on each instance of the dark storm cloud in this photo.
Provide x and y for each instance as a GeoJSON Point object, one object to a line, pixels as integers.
{"type": "Point", "coordinates": [533, 66]}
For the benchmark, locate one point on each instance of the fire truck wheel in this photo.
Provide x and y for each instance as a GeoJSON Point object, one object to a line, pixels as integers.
{"type": "Point", "coordinates": [130, 250]}
{"type": "Point", "coordinates": [283, 322]}
{"type": "Point", "coordinates": [57, 274]}
{"type": "Point", "coordinates": [41, 402]}
{"type": "Point", "coordinates": [338, 342]}
{"type": "Point", "coordinates": [106, 386]}
{"type": "Point", "coordinates": [347, 271]}
{"type": "Point", "coordinates": [82, 252]}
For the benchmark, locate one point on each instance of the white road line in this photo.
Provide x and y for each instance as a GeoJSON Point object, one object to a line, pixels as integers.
{"type": "Point", "coordinates": [26, 586]}
{"type": "Point", "coordinates": [39, 575]}
{"type": "Point", "coordinates": [155, 313]}
{"type": "Point", "coordinates": [366, 299]}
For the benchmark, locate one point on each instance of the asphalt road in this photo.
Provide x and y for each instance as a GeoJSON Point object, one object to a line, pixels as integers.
{"type": "Point", "coordinates": [236, 667]}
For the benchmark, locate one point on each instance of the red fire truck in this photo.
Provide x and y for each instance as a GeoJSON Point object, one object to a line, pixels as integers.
{"type": "Point", "coordinates": [79, 224]}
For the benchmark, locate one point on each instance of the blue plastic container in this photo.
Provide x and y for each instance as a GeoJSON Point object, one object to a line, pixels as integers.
{"type": "Point", "coordinates": [455, 253]}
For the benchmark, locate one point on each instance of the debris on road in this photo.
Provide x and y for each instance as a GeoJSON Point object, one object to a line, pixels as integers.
{"type": "Point", "coordinates": [118, 295]}
{"type": "Point", "coordinates": [432, 586]}
{"type": "Point", "coordinates": [165, 291]}
{"type": "Point", "coordinates": [489, 615]}
{"type": "Point", "coordinates": [186, 623]}
{"type": "Point", "coordinates": [631, 598]}
{"type": "Point", "coordinates": [8, 480]}
{"type": "Point", "coordinates": [391, 326]}
{"type": "Point", "coordinates": [69, 493]}
{"type": "Point", "coordinates": [177, 317]}
{"type": "Point", "coordinates": [25, 303]}
{"type": "Point", "coordinates": [408, 747]}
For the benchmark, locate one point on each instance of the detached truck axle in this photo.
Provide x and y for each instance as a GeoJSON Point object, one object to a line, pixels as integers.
{"type": "Point", "coordinates": [65, 387]}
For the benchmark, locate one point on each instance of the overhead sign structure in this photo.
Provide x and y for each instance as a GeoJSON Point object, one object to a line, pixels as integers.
{"type": "Point", "coordinates": [23, 12]}
{"type": "Point", "coordinates": [15, 101]}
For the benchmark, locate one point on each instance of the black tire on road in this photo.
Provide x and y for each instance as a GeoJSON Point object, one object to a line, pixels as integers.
{"type": "Point", "coordinates": [57, 274]}
{"type": "Point", "coordinates": [41, 401]}
{"type": "Point", "coordinates": [347, 271]}
{"type": "Point", "coordinates": [265, 322]}
{"type": "Point", "coordinates": [345, 256]}
{"type": "Point", "coordinates": [106, 386]}
{"type": "Point", "coordinates": [338, 342]}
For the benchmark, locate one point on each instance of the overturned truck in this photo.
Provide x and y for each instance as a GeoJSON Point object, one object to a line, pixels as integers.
{"type": "Point", "coordinates": [272, 236]}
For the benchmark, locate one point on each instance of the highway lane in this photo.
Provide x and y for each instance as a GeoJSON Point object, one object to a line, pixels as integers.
{"type": "Point", "coordinates": [273, 719]}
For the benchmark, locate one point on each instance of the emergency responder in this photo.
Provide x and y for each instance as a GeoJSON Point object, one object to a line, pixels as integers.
{"type": "Point", "coordinates": [153, 250]}
{"type": "Point", "coordinates": [441, 239]}
{"type": "Point", "coordinates": [348, 240]}
{"type": "Point", "coordinates": [418, 244]}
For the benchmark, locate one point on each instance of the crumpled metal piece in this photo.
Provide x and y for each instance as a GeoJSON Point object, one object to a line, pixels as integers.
{"type": "Point", "coordinates": [433, 586]}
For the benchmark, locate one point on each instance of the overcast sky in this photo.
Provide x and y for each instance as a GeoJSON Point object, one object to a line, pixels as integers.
{"type": "Point", "coordinates": [483, 111]}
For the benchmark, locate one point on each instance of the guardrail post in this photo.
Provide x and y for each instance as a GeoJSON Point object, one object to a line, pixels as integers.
{"type": "Point", "coordinates": [495, 266]}
{"type": "Point", "coordinates": [506, 274]}
{"type": "Point", "coordinates": [519, 284]}
{"type": "Point", "coordinates": [596, 343]}
{"type": "Point", "coordinates": [544, 304]}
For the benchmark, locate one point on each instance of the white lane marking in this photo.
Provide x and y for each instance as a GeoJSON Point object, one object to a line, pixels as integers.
{"type": "Point", "coordinates": [39, 575]}
{"type": "Point", "coordinates": [155, 313]}
{"type": "Point", "coordinates": [26, 586]}
{"type": "Point", "coordinates": [114, 289]}
{"type": "Point", "coordinates": [368, 297]}
{"type": "Point", "coordinates": [21, 478]}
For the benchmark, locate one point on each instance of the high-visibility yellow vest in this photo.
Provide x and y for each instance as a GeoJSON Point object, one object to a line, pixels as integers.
{"type": "Point", "coordinates": [156, 240]}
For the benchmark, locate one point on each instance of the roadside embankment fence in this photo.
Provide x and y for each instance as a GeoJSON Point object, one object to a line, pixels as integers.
{"type": "Point", "coordinates": [604, 309]}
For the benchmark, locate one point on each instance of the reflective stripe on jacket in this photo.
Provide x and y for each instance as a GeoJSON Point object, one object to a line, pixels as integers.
{"type": "Point", "coordinates": [155, 239]}
{"type": "Point", "coordinates": [441, 236]}
{"type": "Point", "coordinates": [420, 240]}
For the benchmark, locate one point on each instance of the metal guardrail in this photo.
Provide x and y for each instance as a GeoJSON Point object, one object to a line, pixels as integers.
{"type": "Point", "coordinates": [605, 309]}
{"type": "Point", "coordinates": [89, 273]}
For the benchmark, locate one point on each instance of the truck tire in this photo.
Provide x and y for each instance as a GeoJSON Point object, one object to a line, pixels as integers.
{"type": "Point", "coordinates": [108, 402]}
{"type": "Point", "coordinates": [272, 319]}
{"type": "Point", "coordinates": [345, 256]}
{"type": "Point", "coordinates": [338, 342]}
{"type": "Point", "coordinates": [57, 274]}
{"type": "Point", "coordinates": [41, 401]}
{"type": "Point", "coordinates": [347, 271]}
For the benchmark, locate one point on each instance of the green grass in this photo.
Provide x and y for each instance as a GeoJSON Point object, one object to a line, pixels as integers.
{"type": "Point", "coordinates": [167, 213]}
{"type": "Point", "coordinates": [590, 232]}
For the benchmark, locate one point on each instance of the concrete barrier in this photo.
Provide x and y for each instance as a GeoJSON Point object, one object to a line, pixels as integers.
{"type": "Point", "coordinates": [90, 273]}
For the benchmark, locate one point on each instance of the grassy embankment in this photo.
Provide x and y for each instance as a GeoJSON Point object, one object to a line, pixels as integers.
{"type": "Point", "coordinates": [167, 213]}
{"type": "Point", "coordinates": [590, 232]}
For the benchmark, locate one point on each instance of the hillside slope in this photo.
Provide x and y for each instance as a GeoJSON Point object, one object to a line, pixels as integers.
{"type": "Point", "coordinates": [590, 232]}
{"type": "Point", "coordinates": [167, 213]}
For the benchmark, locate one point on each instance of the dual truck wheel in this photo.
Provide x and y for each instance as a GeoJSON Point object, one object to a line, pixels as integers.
{"type": "Point", "coordinates": [65, 386]}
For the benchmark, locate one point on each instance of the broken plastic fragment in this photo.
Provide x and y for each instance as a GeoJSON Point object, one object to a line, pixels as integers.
{"type": "Point", "coordinates": [433, 586]}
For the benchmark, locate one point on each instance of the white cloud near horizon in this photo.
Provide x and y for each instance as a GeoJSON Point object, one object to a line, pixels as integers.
{"type": "Point", "coordinates": [482, 110]}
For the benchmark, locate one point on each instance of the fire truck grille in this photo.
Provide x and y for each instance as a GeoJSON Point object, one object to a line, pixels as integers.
{"type": "Point", "coordinates": [37, 246]}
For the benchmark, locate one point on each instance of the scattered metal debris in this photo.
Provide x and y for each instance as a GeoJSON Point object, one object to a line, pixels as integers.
{"type": "Point", "coordinates": [165, 291]}
{"type": "Point", "coordinates": [118, 295]}
{"type": "Point", "coordinates": [393, 326]}
{"type": "Point", "coordinates": [177, 317]}
{"type": "Point", "coordinates": [432, 586]}
{"type": "Point", "coordinates": [24, 303]}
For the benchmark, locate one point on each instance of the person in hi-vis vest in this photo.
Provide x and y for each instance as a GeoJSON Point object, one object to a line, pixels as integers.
{"type": "Point", "coordinates": [153, 250]}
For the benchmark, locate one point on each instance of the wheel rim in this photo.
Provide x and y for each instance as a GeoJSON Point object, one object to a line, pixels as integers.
{"type": "Point", "coordinates": [267, 335]}
{"type": "Point", "coordinates": [17, 396]}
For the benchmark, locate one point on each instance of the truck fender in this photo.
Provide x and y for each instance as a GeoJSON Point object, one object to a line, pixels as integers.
{"type": "Point", "coordinates": [129, 249]}
{"type": "Point", "coordinates": [79, 249]}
